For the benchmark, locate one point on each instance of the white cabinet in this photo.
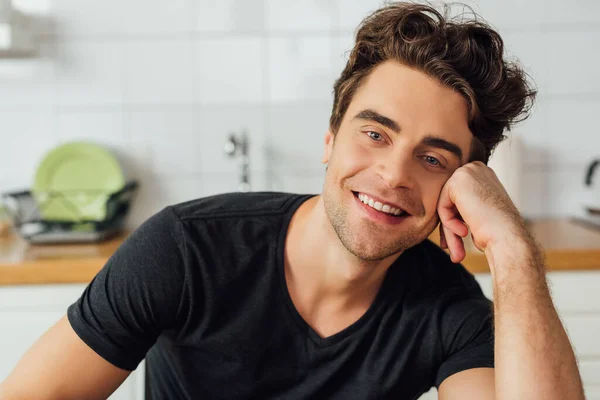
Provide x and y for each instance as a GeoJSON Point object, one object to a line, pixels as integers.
{"type": "Point", "coordinates": [576, 296]}
{"type": "Point", "coordinates": [26, 312]}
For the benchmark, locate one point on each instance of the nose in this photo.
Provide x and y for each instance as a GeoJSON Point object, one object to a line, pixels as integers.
{"type": "Point", "coordinates": [396, 169]}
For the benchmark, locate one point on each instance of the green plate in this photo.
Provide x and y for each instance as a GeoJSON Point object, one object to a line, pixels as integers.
{"type": "Point", "coordinates": [74, 180]}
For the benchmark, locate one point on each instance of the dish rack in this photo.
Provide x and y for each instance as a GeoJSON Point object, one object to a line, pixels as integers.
{"type": "Point", "coordinates": [27, 220]}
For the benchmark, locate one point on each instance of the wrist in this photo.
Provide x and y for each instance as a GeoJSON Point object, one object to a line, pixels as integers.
{"type": "Point", "coordinates": [515, 255]}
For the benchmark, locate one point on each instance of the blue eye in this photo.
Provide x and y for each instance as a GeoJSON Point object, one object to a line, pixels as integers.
{"type": "Point", "coordinates": [436, 162]}
{"type": "Point", "coordinates": [375, 136]}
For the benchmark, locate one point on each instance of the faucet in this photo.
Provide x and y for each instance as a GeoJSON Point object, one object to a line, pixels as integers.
{"type": "Point", "coordinates": [237, 146]}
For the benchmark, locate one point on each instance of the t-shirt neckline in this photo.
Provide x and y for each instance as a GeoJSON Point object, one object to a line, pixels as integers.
{"type": "Point", "coordinates": [304, 327]}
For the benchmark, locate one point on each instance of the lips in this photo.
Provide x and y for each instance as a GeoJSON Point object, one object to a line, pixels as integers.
{"type": "Point", "coordinates": [379, 217]}
{"type": "Point", "coordinates": [380, 205]}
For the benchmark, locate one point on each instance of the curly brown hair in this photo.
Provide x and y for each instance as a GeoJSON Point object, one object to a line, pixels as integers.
{"type": "Point", "coordinates": [466, 56]}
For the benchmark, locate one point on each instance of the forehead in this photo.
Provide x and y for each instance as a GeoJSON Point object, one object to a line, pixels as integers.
{"type": "Point", "coordinates": [419, 103]}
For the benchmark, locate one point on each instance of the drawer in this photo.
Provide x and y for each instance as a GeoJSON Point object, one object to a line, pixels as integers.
{"type": "Point", "coordinates": [592, 392]}
{"type": "Point", "coordinates": [575, 291]}
{"type": "Point", "coordinates": [39, 296]}
{"type": "Point", "coordinates": [584, 332]}
{"type": "Point", "coordinates": [590, 372]}
{"type": "Point", "coordinates": [572, 292]}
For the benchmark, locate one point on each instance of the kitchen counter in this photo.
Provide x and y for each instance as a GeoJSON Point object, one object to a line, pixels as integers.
{"type": "Point", "coordinates": [569, 246]}
{"type": "Point", "coordinates": [22, 263]}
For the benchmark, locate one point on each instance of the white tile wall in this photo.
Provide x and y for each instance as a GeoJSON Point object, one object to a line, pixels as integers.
{"type": "Point", "coordinates": [171, 137]}
{"type": "Point", "coordinates": [574, 12]}
{"type": "Point", "coordinates": [572, 62]}
{"type": "Point", "coordinates": [159, 71]}
{"type": "Point", "coordinates": [32, 132]}
{"type": "Point", "coordinates": [299, 16]}
{"type": "Point", "coordinates": [104, 127]}
{"type": "Point", "coordinates": [512, 14]}
{"type": "Point", "coordinates": [566, 192]}
{"type": "Point", "coordinates": [90, 73]}
{"type": "Point", "coordinates": [229, 70]}
{"type": "Point", "coordinates": [224, 16]}
{"type": "Point", "coordinates": [351, 12]}
{"type": "Point", "coordinates": [300, 68]}
{"type": "Point", "coordinates": [163, 83]}
{"type": "Point", "coordinates": [156, 16]}
{"type": "Point", "coordinates": [29, 84]}
{"type": "Point", "coordinates": [84, 18]}
{"type": "Point", "coordinates": [531, 51]}
{"type": "Point", "coordinates": [570, 135]}
{"type": "Point", "coordinates": [341, 44]}
{"type": "Point", "coordinates": [297, 135]}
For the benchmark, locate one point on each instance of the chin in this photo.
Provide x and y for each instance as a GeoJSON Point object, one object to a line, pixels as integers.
{"type": "Point", "coordinates": [365, 248]}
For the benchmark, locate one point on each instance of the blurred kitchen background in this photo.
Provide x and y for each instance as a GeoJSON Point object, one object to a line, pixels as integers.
{"type": "Point", "coordinates": [164, 83]}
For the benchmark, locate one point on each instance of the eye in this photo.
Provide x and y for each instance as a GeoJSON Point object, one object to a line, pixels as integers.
{"type": "Point", "coordinates": [375, 136]}
{"type": "Point", "coordinates": [433, 161]}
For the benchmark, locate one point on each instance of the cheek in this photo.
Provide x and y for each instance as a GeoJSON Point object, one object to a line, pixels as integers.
{"type": "Point", "coordinates": [351, 158]}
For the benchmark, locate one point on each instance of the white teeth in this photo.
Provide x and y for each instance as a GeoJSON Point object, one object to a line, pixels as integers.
{"type": "Point", "coordinates": [379, 206]}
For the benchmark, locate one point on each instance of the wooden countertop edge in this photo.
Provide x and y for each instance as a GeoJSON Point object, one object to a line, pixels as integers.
{"type": "Point", "coordinates": [568, 247]}
{"type": "Point", "coordinates": [51, 272]}
{"type": "Point", "coordinates": [556, 260]}
{"type": "Point", "coordinates": [82, 271]}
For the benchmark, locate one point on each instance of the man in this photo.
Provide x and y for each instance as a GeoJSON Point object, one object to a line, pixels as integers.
{"type": "Point", "coordinates": [272, 295]}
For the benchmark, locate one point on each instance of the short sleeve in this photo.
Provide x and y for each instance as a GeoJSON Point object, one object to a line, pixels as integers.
{"type": "Point", "coordinates": [467, 336]}
{"type": "Point", "coordinates": [136, 295]}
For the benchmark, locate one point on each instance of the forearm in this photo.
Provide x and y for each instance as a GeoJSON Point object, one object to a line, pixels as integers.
{"type": "Point", "coordinates": [534, 358]}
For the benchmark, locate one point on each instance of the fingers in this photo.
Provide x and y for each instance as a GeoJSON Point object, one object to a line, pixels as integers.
{"type": "Point", "coordinates": [443, 243]}
{"type": "Point", "coordinates": [457, 226]}
{"type": "Point", "coordinates": [449, 215]}
{"type": "Point", "coordinates": [455, 245]}
{"type": "Point", "coordinates": [452, 226]}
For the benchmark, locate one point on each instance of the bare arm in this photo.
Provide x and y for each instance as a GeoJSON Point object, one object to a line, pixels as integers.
{"type": "Point", "coordinates": [534, 358]}
{"type": "Point", "coordinates": [61, 366]}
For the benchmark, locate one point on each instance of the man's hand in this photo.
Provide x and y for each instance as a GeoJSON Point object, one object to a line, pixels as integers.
{"type": "Point", "coordinates": [474, 199]}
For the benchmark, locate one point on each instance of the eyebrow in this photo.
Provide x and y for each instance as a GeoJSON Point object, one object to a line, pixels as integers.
{"type": "Point", "coordinates": [432, 141]}
{"type": "Point", "coordinates": [371, 115]}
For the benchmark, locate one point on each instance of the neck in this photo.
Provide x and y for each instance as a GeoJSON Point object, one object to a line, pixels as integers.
{"type": "Point", "coordinates": [318, 262]}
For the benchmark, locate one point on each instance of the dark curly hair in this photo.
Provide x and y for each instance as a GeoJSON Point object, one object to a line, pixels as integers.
{"type": "Point", "coordinates": [466, 56]}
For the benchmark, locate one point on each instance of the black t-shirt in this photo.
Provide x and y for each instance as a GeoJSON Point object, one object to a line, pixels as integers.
{"type": "Point", "coordinates": [199, 291]}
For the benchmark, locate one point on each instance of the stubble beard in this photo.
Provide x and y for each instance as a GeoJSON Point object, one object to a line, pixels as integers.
{"type": "Point", "coordinates": [358, 243]}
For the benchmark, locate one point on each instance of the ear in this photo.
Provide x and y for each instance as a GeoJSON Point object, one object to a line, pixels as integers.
{"type": "Point", "coordinates": [329, 139]}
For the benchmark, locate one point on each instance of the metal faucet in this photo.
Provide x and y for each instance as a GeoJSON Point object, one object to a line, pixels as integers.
{"type": "Point", "coordinates": [237, 146]}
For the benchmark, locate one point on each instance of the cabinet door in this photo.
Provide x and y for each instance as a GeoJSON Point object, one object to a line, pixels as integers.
{"type": "Point", "coordinates": [19, 330]}
{"type": "Point", "coordinates": [576, 298]}
{"type": "Point", "coordinates": [27, 312]}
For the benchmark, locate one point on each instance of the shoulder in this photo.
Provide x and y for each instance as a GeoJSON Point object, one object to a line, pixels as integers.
{"type": "Point", "coordinates": [237, 204]}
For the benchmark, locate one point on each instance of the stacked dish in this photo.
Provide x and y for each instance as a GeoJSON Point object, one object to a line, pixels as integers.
{"type": "Point", "coordinates": [79, 195]}
{"type": "Point", "coordinates": [74, 181]}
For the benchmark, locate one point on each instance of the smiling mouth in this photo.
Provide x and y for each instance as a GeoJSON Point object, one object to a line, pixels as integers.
{"type": "Point", "coordinates": [380, 207]}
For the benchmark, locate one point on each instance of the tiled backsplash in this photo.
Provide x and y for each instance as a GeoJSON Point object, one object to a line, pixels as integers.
{"type": "Point", "coordinates": [163, 83]}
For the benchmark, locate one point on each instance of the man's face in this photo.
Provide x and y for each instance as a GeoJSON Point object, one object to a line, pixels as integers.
{"type": "Point", "coordinates": [397, 144]}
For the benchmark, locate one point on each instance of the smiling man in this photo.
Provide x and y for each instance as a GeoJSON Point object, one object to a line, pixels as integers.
{"type": "Point", "coordinates": [340, 295]}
